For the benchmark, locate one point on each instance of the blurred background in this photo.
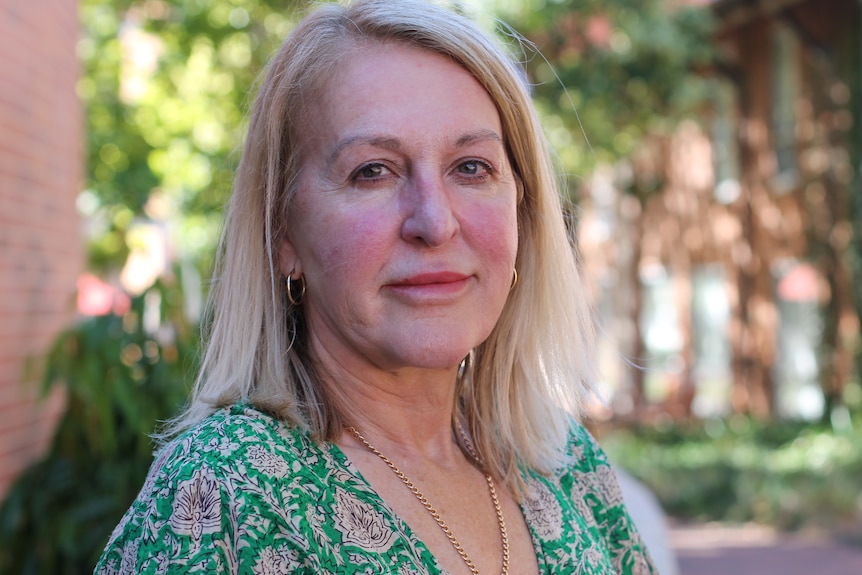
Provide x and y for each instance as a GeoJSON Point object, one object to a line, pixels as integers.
{"type": "Point", "coordinates": [711, 153]}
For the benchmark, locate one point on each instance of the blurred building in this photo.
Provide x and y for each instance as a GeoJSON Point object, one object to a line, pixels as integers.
{"type": "Point", "coordinates": [41, 254]}
{"type": "Point", "coordinates": [730, 287]}
{"type": "Point", "coordinates": [792, 81]}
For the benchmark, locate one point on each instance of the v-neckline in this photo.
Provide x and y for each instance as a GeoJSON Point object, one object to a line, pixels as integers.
{"type": "Point", "coordinates": [404, 528]}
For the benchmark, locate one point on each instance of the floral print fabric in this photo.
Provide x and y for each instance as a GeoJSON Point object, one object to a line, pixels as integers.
{"type": "Point", "coordinates": [243, 493]}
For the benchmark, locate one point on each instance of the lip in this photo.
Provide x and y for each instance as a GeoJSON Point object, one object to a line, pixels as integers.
{"type": "Point", "coordinates": [435, 288]}
{"type": "Point", "coordinates": [430, 279]}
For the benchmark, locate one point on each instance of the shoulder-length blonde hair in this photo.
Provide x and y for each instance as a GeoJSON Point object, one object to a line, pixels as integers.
{"type": "Point", "coordinates": [521, 387]}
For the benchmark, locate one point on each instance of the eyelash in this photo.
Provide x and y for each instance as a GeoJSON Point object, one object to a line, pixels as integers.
{"type": "Point", "coordinates": [357, 175]}
{"type": "Point", "coordinates": [483, 170]}
{"type": "Point", "coordinates": [482, 166]}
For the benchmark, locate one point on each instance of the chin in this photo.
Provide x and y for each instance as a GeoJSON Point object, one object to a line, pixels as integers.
{"type": "Point", "coordinates": [436, 357]}
{"type": "Point", "coordinates": [435, 361]}
{"type": "Point", "coordinates": [438, 348]}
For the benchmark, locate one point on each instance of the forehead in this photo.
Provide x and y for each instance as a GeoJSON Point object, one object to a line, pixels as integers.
{"type": "Point", "coordinates": [403, 89]}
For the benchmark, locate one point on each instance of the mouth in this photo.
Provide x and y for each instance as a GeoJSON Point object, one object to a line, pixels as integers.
{"type": "Point", "coordinates": [430, 288]}
{"type": "Point", "coordinates": [430, 279]}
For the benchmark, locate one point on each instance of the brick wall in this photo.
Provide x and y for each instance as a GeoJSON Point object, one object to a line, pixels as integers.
{"type": "Point", "coordinates": [41, 253]}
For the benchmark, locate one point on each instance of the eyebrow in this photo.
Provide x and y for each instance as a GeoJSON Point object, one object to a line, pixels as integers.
{"type": "Point", "coordinates": [394, 144]}
{"type": "Point", "coordinates": [479, 136]}
{"type": "Point", "coordinates": [384, 142]}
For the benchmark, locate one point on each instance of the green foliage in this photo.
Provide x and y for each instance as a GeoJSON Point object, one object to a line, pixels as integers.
{"type": "Point", "coordinates": [613, 72]}
{"type": "Point", "coordinates": [121, 375]}
{"type": "Point", "coordinates": [165, 85]}
{"type": "Point", "coordinates": [789, 475]}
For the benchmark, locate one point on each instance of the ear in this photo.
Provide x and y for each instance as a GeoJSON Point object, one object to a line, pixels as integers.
{"type": "Point", "coordinates": [288, 259]}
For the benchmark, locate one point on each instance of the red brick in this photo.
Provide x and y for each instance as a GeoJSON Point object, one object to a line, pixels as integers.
{"type": "Point", "coordinates": [41, 169]}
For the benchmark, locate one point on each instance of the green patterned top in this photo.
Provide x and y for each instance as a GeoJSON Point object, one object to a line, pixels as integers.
{"type": "Point", "coordinates": [242, 492]}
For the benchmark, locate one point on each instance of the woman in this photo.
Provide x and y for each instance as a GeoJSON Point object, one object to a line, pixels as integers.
{"type": "Point", "coordinates": [399, 343]}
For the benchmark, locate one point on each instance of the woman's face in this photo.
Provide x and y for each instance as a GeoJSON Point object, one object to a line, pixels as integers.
{"type": "Point", "coordinates": [404, 220]}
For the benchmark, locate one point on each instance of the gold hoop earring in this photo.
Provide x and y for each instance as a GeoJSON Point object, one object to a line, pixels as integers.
{"type": "Point", "coordinates": [514, 279]}
{"type": "Point", "coordinates": [462, 367]}
{"type": "Point", "coordinates": [295, 299]}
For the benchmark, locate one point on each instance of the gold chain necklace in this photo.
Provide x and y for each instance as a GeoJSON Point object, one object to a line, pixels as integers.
{"type": "Point", "coordinates": [504, 536]}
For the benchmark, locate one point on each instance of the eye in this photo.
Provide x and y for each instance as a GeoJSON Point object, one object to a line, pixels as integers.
{"type": "Point", "coordinates": [371, 171]}
{"type": "Point", "coordinates": [474, 168]}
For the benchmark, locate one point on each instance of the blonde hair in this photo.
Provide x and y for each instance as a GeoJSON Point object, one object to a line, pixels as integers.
{"type": "Point", "coordinates": [520, 388]}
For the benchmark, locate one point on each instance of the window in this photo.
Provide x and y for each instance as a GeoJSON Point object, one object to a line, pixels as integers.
{"type": "Point", "coordinates": [785, 93]}
{"type": "Point", "coordinates": [725, 149]}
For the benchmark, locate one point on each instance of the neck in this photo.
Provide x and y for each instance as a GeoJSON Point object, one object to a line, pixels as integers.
{"type": "Point", "coordinates": [406, 410]}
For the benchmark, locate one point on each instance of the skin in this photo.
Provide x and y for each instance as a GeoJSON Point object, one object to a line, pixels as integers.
{"type": "Point", "coordinates": [404, 229]}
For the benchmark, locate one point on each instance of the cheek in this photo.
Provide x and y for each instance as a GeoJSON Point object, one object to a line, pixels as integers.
{"type": "Point", "coordinates": [496, 235]}
{"type": "Point", "coordinates": [350, 243]}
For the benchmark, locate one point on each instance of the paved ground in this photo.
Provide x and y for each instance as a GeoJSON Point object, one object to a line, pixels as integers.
{"type": "Point", "coordinates": [754, 550]}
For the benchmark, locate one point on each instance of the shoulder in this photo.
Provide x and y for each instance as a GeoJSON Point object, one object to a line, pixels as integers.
{"type": "Point", "coordinates": [239, 449]}
{"type": "Point", "coordinates": [215, 498]}
{"type": "Point", "coordinates": [587, 463]}
{"type": "Point", "coordinates": [585, 475]}
{"type": "Point", "coordinates": [590, 482]}
{"type": "Point", "coordinates": [239, 436]}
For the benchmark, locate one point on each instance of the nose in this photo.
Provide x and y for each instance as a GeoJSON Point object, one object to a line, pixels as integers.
{"type": "Point", "coordinates": [431, 218]}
